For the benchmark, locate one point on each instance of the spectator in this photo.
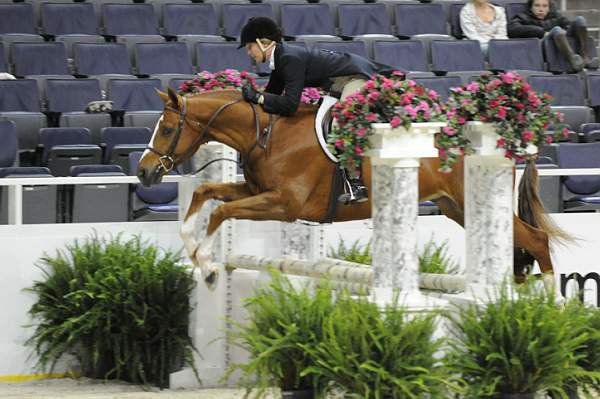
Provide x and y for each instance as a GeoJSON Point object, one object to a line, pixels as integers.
{"type": "Point", "coordinates": [542, 20]}
{"type": "Point", "coordinates": [482, 21]}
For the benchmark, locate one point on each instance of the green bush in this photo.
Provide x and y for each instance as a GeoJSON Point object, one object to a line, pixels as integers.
{"type": "Point", "coordinates": [521, 342]}
{"type": "Point", "coordinates": [120, 307]}
{"type": "Point", "coordinates": [281, 320]}
{"type": "Point", "coordinates": [588, 356]}
{"type": "Point", "coordinates": [433, 259]}
{"type": "Point", "coordinates": [370, 353]}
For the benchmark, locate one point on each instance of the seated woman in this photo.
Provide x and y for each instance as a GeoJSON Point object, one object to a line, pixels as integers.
{"type": "Point", "coordinates": [542, 20]}
{"type": "Point", "coordinates": [482, 21]}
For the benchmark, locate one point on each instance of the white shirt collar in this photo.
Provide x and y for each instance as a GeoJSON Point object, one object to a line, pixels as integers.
{"type": "Point", "coordinates": [272, 60]}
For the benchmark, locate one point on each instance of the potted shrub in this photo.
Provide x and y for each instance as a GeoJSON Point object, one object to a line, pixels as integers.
{"type": "Point", "coordinates": [499, 109]}
{"type": "Point", "coordinates": [121, 307]}
{"type": "Point", "coordinates": [517, 344]}
{"type": "Point", "coordinates": [281, 321]}
{"type": "Point", "coordinates": [368, 352]}
{"type": "Point", "coordinates": [385, 109]}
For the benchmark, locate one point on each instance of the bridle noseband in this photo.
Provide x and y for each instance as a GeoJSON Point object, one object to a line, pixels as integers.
{"type": "Point", "coordinates": [170, 156]}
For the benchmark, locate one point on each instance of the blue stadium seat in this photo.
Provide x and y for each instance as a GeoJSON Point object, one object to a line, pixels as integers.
{"type": "Point", "coordinates": [20, 102]}
{"type": "Point", "coordinates": [158, 202]}
{"type": "Point", "coordinates": [135, 94]}
{"type": "Point", "coordinates": [101, 58]}
{"type": "Point", "coordinates": [159, 58]}
{"type": "Point", "coordinates": [39, 59]}
{"type": "Point", "coordinates": [216, 56]}
{"type": "Point", "coordinates": [591, 132]}
{"type": "Point", "coordinates": [516, 54]}
{"type": "Point", "coordinates": [454, 19]}
{"type": "Point", "coordinates": [17, 18]}
{"type": "Point", "coordinates": [129, 19]}
{"type": "Point", "coordinates": [39, 202]}
{"type": "Point", "coordinates": [582, 193]}
{"type": "Point", "coordinates": [440, 84]}
{"type": "Point", "coordinates": [593, 88]}
{"type": "Point", "coordinates": [3, 63]}
{"type": "Point", "coordinates": [456, 55]}
{"type": "Point", "coordinates": [119, 142]}
{"type": "Point", "coordinates": [8, 149]}
{"type": "Point", "coordinates": [69, 97]}
{"type": "Point", "coordinates": [64, 147]}
{"type": "Point", "coordinates": [190, 19]}
{"type": "Point", "coordinates": [236, 15]}
{"type": "Point", "coordinates": [68, 18]}
{"type": "Point", "coordinates": [406, 55]}
{"type": "Point", "coordinates": [514, 8]}
{"type": "Point", "coordinates": [93, 203]}
{"type": "Point", "coordinates": [363, 19]}
{"type": "Point", "coordinates": [416, 19]}
{"type": "Point", "coordinates": [307, 19]}
{"type": "Point", "coordinates": [566, 90]}
{"type": "Point", "coordinates": [354, 47]}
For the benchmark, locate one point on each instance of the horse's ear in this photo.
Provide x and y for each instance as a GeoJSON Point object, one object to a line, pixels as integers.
{"type": "Point", "coordinates": [164, 96]}
{"type": "Point", "coordinates": [173, 97]}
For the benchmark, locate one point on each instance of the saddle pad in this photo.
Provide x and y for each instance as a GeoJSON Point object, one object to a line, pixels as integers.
{"type": "Point", "coordinates": [322, 113]}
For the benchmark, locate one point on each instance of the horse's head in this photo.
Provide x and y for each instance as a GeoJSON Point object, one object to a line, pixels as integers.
{"type": "Point", "coordinates": [174, 140]}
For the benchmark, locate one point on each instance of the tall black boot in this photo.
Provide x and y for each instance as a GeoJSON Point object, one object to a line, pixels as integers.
{"type": "Point", "coordinates": [354, 190]}
{"type": "Point", "coordinates": [565, 48]}
{"type": "Point", "coordinates": [581, 33]}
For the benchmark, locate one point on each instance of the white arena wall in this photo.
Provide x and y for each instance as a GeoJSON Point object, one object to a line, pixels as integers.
{"type": "Point", "coordinates": [22, 245]}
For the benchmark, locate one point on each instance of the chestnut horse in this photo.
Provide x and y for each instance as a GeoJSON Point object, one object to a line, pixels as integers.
{"type": "Point", "coordinates": [291, 178]}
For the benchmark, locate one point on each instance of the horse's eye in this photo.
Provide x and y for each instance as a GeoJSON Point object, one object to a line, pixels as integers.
{"type": "Point", "coordinates": [167, 131]}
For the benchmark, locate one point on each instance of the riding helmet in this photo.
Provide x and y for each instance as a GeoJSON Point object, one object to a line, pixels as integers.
{"type": "Point", "coordinates": [259, 28]}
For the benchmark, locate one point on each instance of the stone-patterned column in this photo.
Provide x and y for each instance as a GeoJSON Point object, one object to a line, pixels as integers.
{"type": "Point", "coordinates": [395, 209]}
{"type": "Point", "coordinates": [302, 241]}
{"type": "Point", "coordinates": [488, 209]}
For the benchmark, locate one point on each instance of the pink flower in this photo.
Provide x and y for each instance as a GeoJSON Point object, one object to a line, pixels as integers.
{"type": "Point", "coordinates": [369, 85]}
{"type": "Point", "coordinates": [339, 143]}
{"type": "Point", "coordinates": [501, 113]}
{"type": "Point", "coordinates": [358, 150]}
{"type": "Point", "coordinates": [442, 153]}
{"type": "Point", "coordinates": [423, 106]}
{"type": "Point", "coordinates": [432, 94]}
{"type": "Point", "coordinates": [406, 98]}
{"type": "Point", "coordinates": [508, 77]}
{"type": "Point", "coordinates": [549, 139]}
{"type": "Point", "coordinates": [449, 131]}
{"type": "Point", "coordinates": [461, 120]}
{"type": "Point", "coordinates": [373, 96]}
{"type": "Point", "coordinates": [565, 132]}
{"type": "Point", "coordinates": [362, 132]}
{"type": "Point", "coordinates": [411, 111]}
{"type": "Point", "coordinates": [494, 104]}
{"type": "Point", "coordinates": [398, 73]}
{"type": "Point", "coordinates": [527, 136]}
{"type": "Point", "coordinates": [473, 87]}
{"type": "Point", "coordinates": [395, 122]}
{"type": "Point", "coordinates": [500, 143]}
{"type": "Point", "coordinates": [371, 117]}
{"type": "Point", "coordinates": [360, 98]}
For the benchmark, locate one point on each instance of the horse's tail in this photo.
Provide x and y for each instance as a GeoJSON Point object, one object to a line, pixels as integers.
{"type": "Point", "coordinates": [531, 209]}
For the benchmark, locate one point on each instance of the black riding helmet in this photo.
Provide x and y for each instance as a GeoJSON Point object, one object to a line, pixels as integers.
{"type": "Point", "coordinates": [259, 28]}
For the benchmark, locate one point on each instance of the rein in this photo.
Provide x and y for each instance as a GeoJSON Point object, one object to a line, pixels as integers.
{"type": "Point", "coordinates": [174, 160]}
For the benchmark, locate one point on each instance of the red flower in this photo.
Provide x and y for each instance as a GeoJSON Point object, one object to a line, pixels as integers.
{"type": "Point", "coordinates": [527, 136]}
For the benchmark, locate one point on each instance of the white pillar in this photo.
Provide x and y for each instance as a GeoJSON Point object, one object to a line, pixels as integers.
{"type": "Point", "coordinates": [395, 196]}
{"type": "Point", "coordinates": [488, 182]}
{"type": "Point", "coordinates": [302, 241]}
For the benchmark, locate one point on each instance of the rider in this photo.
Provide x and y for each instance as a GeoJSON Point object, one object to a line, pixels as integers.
{"type": "Point", "coordinates": [294, 68]}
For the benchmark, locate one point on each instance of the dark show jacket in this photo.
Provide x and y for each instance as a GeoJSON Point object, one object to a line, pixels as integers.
{"type": "Point", "coordinates": [526, 24]}
{"type": "Point", "coordinates": [297, 67]}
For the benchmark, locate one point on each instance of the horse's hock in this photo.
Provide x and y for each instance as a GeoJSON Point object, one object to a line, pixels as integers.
{"type": "Point", "coordinates": [395, 260]}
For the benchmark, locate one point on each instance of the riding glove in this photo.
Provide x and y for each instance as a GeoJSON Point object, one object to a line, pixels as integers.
{"type": "Point", "coordinates": [250, 94]}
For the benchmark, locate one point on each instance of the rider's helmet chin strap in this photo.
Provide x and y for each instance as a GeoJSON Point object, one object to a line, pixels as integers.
{"type": "Point", "coordinates": [264, 48]}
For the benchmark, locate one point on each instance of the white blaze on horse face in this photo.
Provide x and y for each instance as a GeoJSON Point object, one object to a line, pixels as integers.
{"type": "Point", "coordinates": [151, 144]}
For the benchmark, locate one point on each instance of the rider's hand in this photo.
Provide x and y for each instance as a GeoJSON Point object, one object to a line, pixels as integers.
{"type": "Point", "coordinates": [250, 94]}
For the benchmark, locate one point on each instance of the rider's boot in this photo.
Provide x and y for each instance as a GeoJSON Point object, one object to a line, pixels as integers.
{"type": "Point", "coordinates": [354, 190]}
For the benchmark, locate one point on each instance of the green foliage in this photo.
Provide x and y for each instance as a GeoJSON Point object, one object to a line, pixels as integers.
{"type": "Point", "coordinates": [370, 353]}
{"type": "Point", "coordinates": [435, 259]}
{"type": "Point", "coordinates": [120, 307]}
{"type": "Point", "coordinates": [282, 319]}
{"type": "Point", "coordinates": [588, 356]}
{"type": "Point", "coordinates": [521, 342]}
{"type": "Point", "coordinates": [356, 253]}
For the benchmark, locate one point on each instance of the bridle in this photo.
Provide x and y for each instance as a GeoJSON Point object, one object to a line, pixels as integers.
{"type": "Point", "coordinates": [170, 156]}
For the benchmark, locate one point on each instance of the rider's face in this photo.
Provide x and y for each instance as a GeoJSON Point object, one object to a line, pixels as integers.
{"type": "Point", "coordinates": [254, 52]}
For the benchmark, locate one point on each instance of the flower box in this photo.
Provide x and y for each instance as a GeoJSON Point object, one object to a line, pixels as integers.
{"type": "Point", "coordinates": [394, 143]}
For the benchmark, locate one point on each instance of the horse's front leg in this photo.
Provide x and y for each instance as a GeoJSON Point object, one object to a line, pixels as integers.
{"type": "Point", "coordinates": [203, 250]}
{"type": "Point", "coordinates": [265, 206]}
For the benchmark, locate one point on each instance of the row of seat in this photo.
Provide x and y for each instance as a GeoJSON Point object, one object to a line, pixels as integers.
{"type": "Point", "coordinates": [90, 203]}
{"type": "Point", "coordinates": [226, 18]}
